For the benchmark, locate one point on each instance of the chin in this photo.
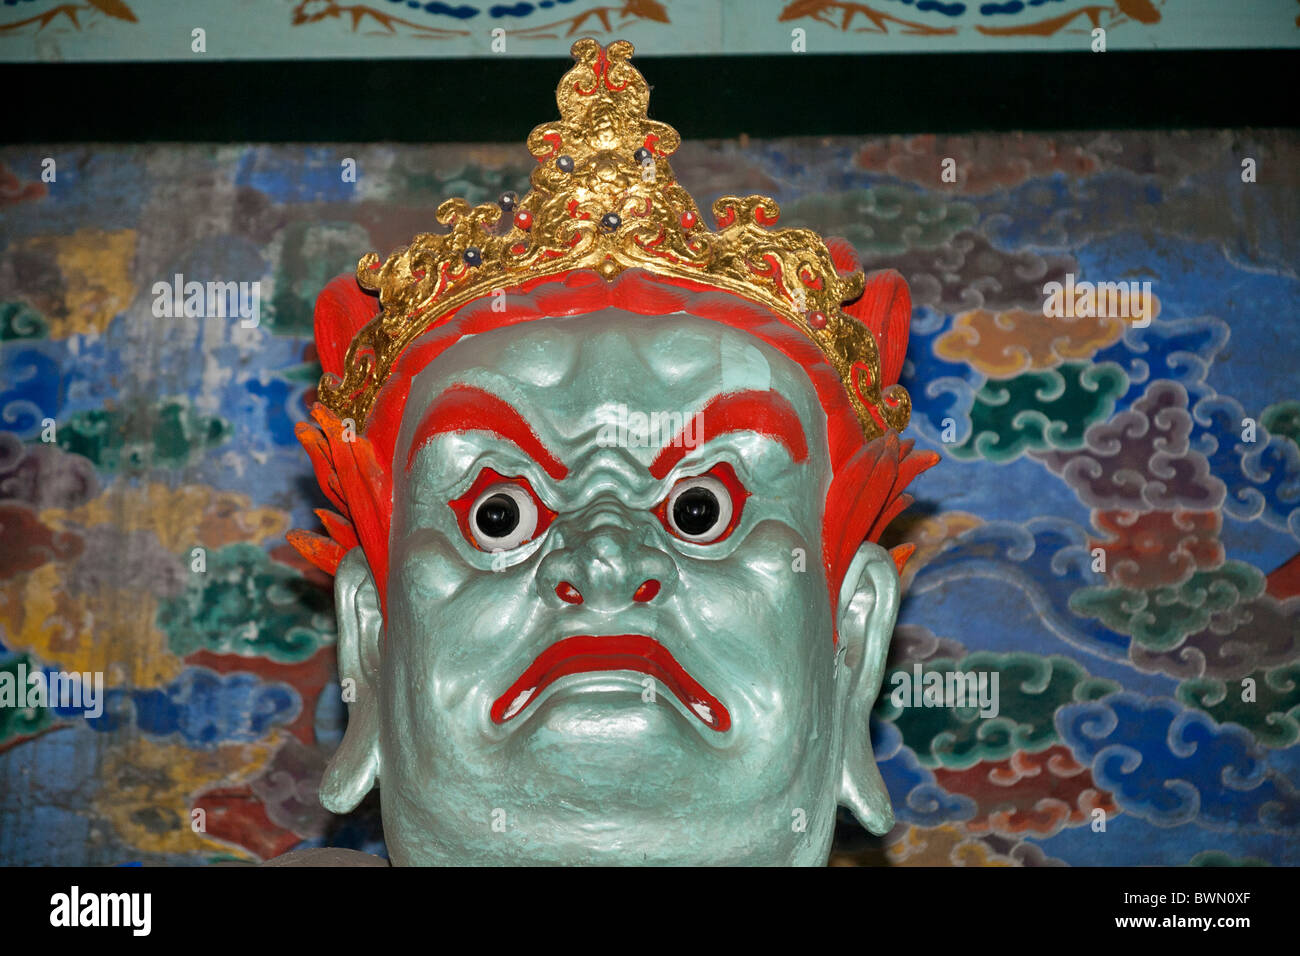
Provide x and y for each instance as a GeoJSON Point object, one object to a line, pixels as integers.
{"type": "Point", "coordinates": [598, 801]}
{"type": "Point", "coordinates": [697, 834]}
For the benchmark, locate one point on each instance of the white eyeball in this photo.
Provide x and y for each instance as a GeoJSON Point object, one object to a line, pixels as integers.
{"type": "Point", "coordinates": [503, 517]}
{"type": "Point", "coordinates": [699, 509]}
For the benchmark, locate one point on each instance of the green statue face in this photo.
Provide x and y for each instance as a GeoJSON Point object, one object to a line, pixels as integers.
{"type": "Point", "coordinates": [608, 634]}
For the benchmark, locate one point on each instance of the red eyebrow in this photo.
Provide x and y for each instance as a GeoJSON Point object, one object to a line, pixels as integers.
{"type": "Point", "coordinates": [767, 413]}
{"type": "Point", "coordinates": [466, 408]}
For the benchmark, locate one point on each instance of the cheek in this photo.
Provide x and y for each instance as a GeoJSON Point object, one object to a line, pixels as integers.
{"type": "Point", "coordinates": [775, 573]}
{"type": "Point", "coordinates": [451, 626]}
{"type": "Point", "coordinates": [763, 610]}
{"type": "Point", "coordinates": [425, 571]}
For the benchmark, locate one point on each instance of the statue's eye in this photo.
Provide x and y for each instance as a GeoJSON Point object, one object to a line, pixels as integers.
{"type": "Point", "coordinates": [705, 508]}
{"type": "Point", "coordinates": [504, 516]}
{"type": "Point", "coordinates": [500, 513]}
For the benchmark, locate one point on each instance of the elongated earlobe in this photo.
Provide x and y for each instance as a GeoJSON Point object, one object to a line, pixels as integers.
{"type": "Point", "coordinates": [867, 609]}
{"type": "Point", "coordinates": [355, 767]}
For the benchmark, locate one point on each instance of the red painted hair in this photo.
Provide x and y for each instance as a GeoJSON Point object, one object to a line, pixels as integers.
{"type": "Point", "coordinates": [356, 473]}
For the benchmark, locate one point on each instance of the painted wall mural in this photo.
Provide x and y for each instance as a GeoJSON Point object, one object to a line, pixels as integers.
{"type": "Point", "coordinates": [1149, 707]}
{"type": "Point", "coordinates": [307, 29]}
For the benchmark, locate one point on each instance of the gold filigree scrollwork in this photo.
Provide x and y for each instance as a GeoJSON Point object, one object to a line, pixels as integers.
{"type": "Point", "coordinates": [603, 197]}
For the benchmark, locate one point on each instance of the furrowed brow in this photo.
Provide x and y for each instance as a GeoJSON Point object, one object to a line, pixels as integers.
{"type": "Point", "coordinates": [467, 408]}
{"type": "Point", "coordinates": [765, 413]}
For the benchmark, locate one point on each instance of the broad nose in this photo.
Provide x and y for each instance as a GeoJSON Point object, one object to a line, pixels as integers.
{"type": "Point", "coordinates": [607, 561]}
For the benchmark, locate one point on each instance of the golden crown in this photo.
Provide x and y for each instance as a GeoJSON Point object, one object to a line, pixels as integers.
{"type": "Point", "coordinates": [603, 197]}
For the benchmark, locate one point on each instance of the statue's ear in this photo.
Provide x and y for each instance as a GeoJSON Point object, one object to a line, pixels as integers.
{"type": "Point", "coordinates": [867, 608]}
{"type": "Point", "coordinates": [354, 768]}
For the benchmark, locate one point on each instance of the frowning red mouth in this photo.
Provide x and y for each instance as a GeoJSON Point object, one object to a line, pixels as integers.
{"type": "Point", "coordinates": [622, 652]}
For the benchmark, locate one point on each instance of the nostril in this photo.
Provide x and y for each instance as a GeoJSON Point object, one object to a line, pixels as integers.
{"type": "Point", "coordinates": [568, 593]}
{"type": "Point", "coordinates": [647, 591]}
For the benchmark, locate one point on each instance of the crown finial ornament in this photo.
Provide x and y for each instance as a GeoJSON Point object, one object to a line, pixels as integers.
{"type": "Point", "coordinates": [604, 197]}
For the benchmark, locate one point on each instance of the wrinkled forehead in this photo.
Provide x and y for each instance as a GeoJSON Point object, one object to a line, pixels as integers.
{"type": "Point", "coordinates": [568, 375]}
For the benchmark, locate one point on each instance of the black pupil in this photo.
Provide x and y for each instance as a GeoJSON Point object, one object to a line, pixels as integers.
{"type": "Point", "coordinates": [696, 511]}
{"type": "Point", "coordinates": [497, 516]}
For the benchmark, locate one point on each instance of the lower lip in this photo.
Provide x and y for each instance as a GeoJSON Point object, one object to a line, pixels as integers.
{"type": "Point", "coordinates": [624, 652]}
